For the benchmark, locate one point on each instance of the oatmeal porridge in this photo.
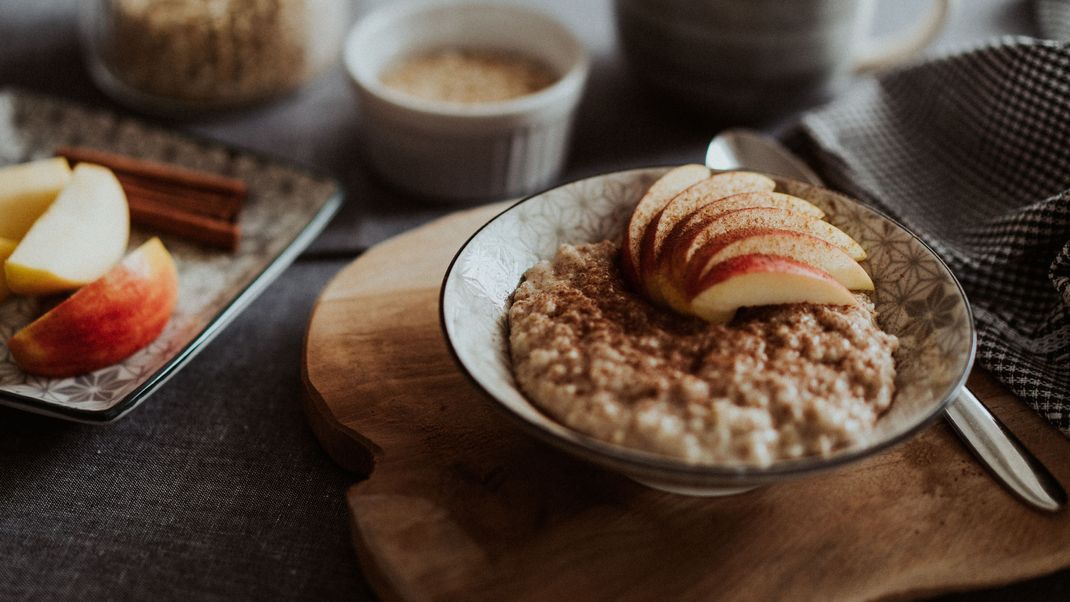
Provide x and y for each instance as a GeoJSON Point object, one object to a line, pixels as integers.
{"type": "Point", "coordinates": [776, 382]}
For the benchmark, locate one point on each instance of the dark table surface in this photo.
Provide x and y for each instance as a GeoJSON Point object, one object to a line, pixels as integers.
{"type": "Point", "coordinates": [216, 488]}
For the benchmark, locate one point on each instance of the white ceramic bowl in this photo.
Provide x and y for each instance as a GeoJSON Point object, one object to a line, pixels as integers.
{"type": "Point", "coordinates": [917, 299]}
{"type": "Point", "coordinates": [455, 151]}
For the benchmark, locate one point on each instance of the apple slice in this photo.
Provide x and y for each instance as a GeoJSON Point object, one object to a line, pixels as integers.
{"type": "Point", "coordinates": [750, 280]}
{"type": "Point", "coordinates": [655, 198]}
{"type": "Point", "coordinates": [105, 321]}
{"type": "Point", "coordinates": [81, 235]}
{"type": "Point", "coordinates": [686, 240]}
{"type": "Point", "coordinates": [655, 272]}
{"type": "Point", "coordinates": [746, 200]}
{"type": "Point", "coordinates": [804, 248]}
{"type": "Point", "coordinates": [703, 192]}
{"type": "Point", "coordinates": [686, 243]}
{"type": "Point", "coordinates": [26, 191]}
{"type": "Point", "coordinates": [6, 248]}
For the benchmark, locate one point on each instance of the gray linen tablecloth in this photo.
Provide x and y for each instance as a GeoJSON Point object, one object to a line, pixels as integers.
{"type": "Point", "coordinates": [215, 488]}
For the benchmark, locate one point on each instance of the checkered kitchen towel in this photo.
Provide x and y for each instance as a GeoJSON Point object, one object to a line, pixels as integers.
{"type": "Point", "coordinates": [972, 152]}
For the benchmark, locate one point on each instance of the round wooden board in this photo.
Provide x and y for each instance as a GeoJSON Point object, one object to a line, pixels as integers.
{"type": "Point", "coordinates": [458, 504]}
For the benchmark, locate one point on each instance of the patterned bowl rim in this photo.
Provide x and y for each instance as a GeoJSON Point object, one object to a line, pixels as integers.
{"type": "Point", "coordinates": [581, 445]}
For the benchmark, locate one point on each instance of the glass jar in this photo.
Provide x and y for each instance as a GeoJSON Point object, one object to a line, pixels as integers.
{"type": "Point", "coordinates": [175, 56]}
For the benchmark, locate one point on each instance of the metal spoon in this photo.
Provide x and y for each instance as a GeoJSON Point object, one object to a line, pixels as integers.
{"type": "Point", "coordinates": [990, 441]}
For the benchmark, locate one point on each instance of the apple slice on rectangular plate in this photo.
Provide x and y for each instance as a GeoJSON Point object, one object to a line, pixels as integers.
{"type": "Point", "coordinates": [6, 248]}
{"type": "Point", "coordinates": [655, 198]}
{"type": "Point", "coordinates": [703, 192]}
{"type": "Point", "coordinates": [105, 321]}
{"type": "Point", "coordinates": [26, 191]}
{"type": "Point", "coordinates": [81, 235]}
{"type": "Point", "coordinates": [756, 279]}
{"type": "Point", "coordinates": [805, 248]}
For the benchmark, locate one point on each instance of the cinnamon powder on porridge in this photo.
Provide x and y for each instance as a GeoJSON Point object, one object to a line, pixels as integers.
{"type": "Point", "coordinates": [776, 383]}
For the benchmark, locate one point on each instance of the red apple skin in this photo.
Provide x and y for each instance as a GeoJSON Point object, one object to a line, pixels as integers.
{"type": "Point", "coordinates": [105, 321]}
{"type": "Point", "coordinates": [759, 263]}
{"type": "Point", "coordinates": [654, 199]}
{"type": "Point", "coordinates": [710, 191]}
{"type": "Point", "coordinates": [691, 280]}
{"type": "Point", "coordinates": [769, 275]}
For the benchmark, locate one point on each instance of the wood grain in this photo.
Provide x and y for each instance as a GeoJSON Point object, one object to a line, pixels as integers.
{"type": "Point", "coordinates": [461, 505]}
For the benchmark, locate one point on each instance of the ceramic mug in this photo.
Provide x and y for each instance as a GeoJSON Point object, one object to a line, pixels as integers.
{"type": "Point", "coordinates": [751, 58]}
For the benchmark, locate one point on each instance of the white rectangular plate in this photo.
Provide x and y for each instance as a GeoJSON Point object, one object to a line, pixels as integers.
{"type": "Point", "coordinates": [286, 208]}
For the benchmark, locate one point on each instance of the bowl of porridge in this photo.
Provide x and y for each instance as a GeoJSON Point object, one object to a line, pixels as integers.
{"type": "Point", "coordinates": [803, 332]}
{"type": "Point", "coordinates": [465, 100]}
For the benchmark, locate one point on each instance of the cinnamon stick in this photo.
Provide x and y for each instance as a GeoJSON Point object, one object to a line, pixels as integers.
{"type": "Point", "coordinates": [199, 228]}
{"type": "Point", "coordinates": [201, 206]}
{"type": "Point", "coordinates": [210, 205]}
{"type": "Point", "coordinates": [188, 178]}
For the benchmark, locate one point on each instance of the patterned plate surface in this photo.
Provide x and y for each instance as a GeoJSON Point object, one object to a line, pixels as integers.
{"type": "Point", "coordinates": [916, 296]}
{"type": "Point", "coordinates": [286, 208]}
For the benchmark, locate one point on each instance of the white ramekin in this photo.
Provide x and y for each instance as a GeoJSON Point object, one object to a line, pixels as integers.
{"type": "Point", "coordinates": [465, 152]}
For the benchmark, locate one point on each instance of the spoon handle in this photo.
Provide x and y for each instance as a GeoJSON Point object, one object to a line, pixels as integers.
{"type": "Point", "coordinates": [1004, 455]}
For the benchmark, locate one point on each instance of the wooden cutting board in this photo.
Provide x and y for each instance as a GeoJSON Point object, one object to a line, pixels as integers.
{"type": "Point", "coordinates": [459, 504]}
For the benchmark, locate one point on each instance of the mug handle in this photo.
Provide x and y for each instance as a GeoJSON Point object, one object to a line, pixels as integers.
{"type": "Point", "coordinates": [887, 50]}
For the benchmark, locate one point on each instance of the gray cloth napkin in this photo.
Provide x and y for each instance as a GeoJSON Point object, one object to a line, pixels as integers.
{"type": "Point", "coordinates": [972, 152]}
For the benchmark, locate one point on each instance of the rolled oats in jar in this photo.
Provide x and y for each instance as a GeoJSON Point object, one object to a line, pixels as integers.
{"type": "Point", "coordinates": [205, 54]}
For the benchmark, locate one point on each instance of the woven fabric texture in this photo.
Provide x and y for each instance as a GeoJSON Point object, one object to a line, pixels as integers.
{"type": "Point", "coordinates": [972, 152]}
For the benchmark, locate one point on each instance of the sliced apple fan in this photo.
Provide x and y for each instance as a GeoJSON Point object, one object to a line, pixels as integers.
{"type": "Point", "coordinates": [706, 245]}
